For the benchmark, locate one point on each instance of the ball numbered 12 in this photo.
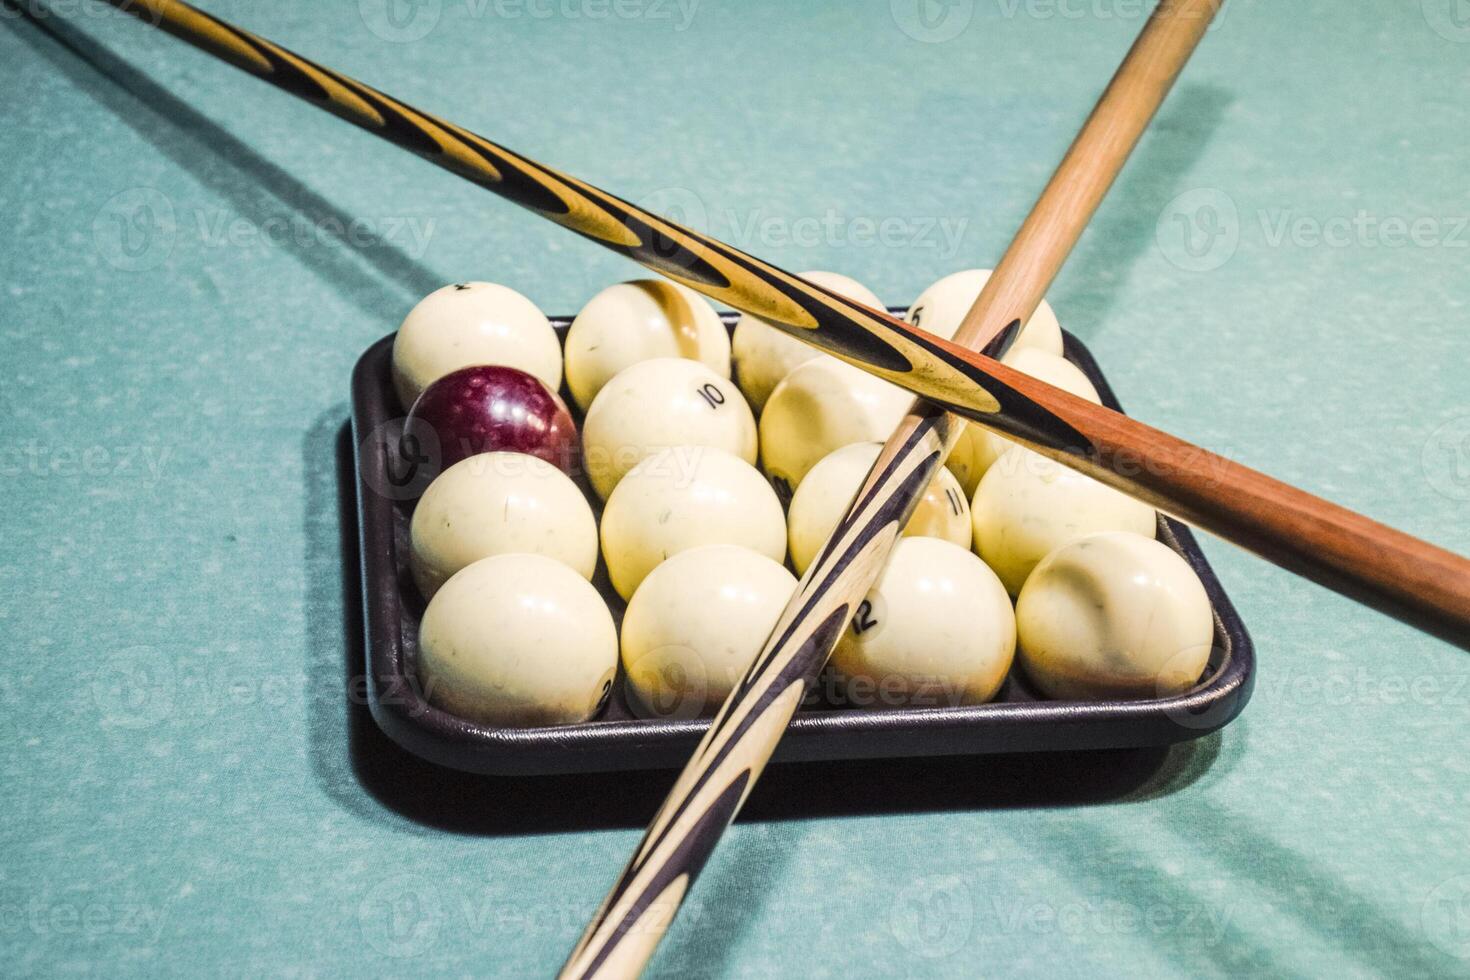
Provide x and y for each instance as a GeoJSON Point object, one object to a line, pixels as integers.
{"type": "Point", "coordinates": [472, 323]}
{"type": "Point", "coordinates": [638, 321]}
{"type": "Point", "coordinates": [656, 404]}
{"type": "Point", "coordinates": [936, 630]}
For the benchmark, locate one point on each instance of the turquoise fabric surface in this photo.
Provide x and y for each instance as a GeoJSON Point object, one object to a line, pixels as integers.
{"type": "Point", "coordinates": [193, 262]}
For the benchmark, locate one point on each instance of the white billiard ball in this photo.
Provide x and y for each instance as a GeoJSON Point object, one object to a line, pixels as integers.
{"type": "Point", "coordinates": [638, 321]}
{"type": "Point", "coordinates": [652, 405]}
{"type": "Point", "coordinates": [681, 498]}
{"type": "Point", "coordinates": [978, 447]}
{"type": "Point", "coordinates": [824, 405]}
{"type": "Point", "coordinates": [941, 309]}
{"type": "Point", "coordinates": [1027, 505]}
{"type": "Point", "coordinates": [495, 504]}
{"type": "Point", "coordinates": [764, 355]}
{"type": "Point", "coordinates": [937, 630]}
{"type": "Point", "coordinates": [516, 641]}
{"type": "Point", "coordinates": [828, 490]}
{"type": "Point", "coordinates": [1114, 615]}
{"type": "Point", "coordinates": [694, 626]}
{"type": "Point", "coordinates": [472, 323]}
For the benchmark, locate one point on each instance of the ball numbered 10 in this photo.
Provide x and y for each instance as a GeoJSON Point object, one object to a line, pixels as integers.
{"type": "Point", "coordinates": [656, 404]}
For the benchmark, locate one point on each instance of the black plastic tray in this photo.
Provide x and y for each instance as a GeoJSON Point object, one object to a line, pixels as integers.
{"type": "Point", "coordinates": [1017, 721]}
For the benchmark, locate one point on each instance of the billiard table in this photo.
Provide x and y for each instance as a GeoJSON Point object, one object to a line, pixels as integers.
{"type": "Point", "coordinates": [195, 262]}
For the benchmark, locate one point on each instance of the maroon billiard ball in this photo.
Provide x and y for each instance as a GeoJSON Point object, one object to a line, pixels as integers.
{"type": "Point", "coordinates": [486, 409]}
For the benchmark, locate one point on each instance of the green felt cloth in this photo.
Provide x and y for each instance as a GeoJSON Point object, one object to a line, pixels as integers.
{"type": "Point", "coordinates": [190, 792]}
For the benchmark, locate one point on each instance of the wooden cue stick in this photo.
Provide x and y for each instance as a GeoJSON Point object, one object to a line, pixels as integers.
{"type": "Point", "coordinates": [745, 731]}
{"type": "Point", "coordinates": [1393, 572]}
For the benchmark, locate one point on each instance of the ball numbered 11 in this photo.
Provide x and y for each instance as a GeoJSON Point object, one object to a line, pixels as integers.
{"type": "Point", "coordinates": [824, 496]}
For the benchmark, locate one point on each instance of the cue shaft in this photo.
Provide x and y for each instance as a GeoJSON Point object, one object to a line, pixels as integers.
{"type": "Point", "coordinates": [1124, 110]}
{"type": "Point", "coordinates": [1396, 573]}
